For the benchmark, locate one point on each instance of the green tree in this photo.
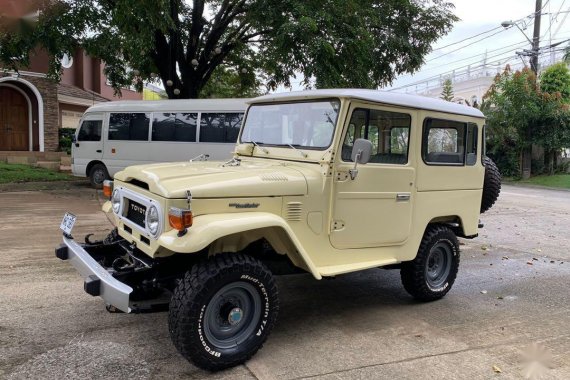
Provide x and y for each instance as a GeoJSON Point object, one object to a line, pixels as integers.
{"type": "Point", "coordinates": [335, 43]}
{"type": "Point", "coordinates": [513, 104]}
{"type": "Point", "coordinates": [553, 133]}
{"type": "Point", "coordinates": [227, 83]}
{"type": "Point", "coordinates": [556, 79]}
{"type": "Point", "coordinates": [447, 92]}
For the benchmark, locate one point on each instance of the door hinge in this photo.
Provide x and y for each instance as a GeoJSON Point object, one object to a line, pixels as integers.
{"type": "Point", "coordinates": [341, 176]}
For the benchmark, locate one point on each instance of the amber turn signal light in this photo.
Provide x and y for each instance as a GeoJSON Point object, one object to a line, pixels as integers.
{"type": "Point", "coordinates": [179, 219]}
{"type": "Point", "coordinates": [107, 188]}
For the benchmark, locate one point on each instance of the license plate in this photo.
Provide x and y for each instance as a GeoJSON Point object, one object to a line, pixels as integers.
{"type": "Point", "coordinates": [67, 223]}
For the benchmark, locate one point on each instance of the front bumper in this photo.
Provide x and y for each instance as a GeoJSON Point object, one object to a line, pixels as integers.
{"type": "Point", "coordinates": [98, 281]}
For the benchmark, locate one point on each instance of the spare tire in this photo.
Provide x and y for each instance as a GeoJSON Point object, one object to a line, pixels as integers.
{"type": "Point", "coordinates": [491, 185]}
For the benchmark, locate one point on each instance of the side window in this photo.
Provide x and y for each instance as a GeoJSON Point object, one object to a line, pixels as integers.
{"type": "Point", "coordinates": [174, 127]}
{"type": "Point", "coordinates": [471, 148]}
{"type": "Point", "coordinates": [220, 127]}
{"type": "Point", "coordinates": [389, 133]}
{"type": "Point", "coordinates": [129, 126]}
{"type": "Point", "coordinates": [90, 130]}
{"type": "Point", "coordinates": [444, 142]}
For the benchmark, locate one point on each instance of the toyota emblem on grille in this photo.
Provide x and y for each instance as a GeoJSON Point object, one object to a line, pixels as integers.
{"type": "Point", "coordinates": [137, 208]}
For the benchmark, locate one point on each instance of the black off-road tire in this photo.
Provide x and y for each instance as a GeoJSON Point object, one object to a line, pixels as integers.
{"type": "Point", "coordinates": [97, 174]}
{"type": "Point", "coordinates": [198, 308]}
{"type": "Point", "coordinates": [438, 241]}
{"type": "Point", "coordinates": [491, 185]}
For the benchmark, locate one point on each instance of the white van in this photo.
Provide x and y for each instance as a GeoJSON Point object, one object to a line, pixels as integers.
{"type": "Point", "coordinates": [114, 135]}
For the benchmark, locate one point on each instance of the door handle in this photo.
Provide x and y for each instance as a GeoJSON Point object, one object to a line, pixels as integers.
{"type": "Point", "coordinates": [98, 151]}
{"type": "Point", "coordinates": [402, 197]}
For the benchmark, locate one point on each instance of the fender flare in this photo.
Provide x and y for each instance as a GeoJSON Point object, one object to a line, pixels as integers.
{"type": "Point", "coordinates": [208, 228]}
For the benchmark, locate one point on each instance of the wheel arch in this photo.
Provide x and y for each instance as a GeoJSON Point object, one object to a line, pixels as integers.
{"type": "Point", "coordinates": [222, 233]}
{"type": "Point", "coordinates": [454, 222]}
{"type": "Point", "coordinates": [93, 163]}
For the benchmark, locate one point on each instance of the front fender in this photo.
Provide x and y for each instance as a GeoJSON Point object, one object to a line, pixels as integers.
{"type": "Point", "coordinates": [208, 228]}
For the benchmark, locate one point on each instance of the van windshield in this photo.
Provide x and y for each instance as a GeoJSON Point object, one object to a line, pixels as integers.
{"type": "Point", "coordinates": [301, 124]}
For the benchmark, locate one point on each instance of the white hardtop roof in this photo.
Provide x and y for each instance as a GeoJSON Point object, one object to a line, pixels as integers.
{"type": "Point", "coordinates": [384, 97]}
{"type": "Point", "coordinates": [171, 105]}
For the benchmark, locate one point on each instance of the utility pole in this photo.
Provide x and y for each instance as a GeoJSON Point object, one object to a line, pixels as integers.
{"type": "Point", "coordinates": [527, 151]}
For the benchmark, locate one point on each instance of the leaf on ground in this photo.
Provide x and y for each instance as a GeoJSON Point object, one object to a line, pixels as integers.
{"type": "Point", "coordinates": [529, 263]}
{"type": "Point", "coordinates": [496, 369]}
{"type": "Point", "coordinates": [484, 248]}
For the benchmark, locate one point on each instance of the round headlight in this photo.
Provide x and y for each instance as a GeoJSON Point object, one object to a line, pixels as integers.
{"type": "Point", "coordinates": [152, 220]}
{"type": "Point", "coordinates": [116, 201]}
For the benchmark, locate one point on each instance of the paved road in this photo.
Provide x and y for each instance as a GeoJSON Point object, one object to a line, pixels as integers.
{"type": "Point", "coordinates": [511, 292]}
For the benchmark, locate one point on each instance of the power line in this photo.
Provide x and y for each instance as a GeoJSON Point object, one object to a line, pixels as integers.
{"type": "Point", "coordinates": [466, 39]}
{"type": "Point", "coordinates": [463, 47]}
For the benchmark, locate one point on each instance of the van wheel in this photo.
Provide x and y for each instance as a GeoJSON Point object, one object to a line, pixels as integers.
{"type": "Point", "coordinates": [432, 273]}
{"type": "Point", "coordinates": [491, 184]}
{"type": "Point", "coordinates": [97, 175]}
{"type": "Point", "coordinates": [223, 310]}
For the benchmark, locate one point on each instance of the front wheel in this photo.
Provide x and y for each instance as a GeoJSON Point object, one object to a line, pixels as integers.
{"type": "Point", "coordinates": [432, 273]}
{"type": "Point", "coordinates": [223, 310]}
{"type": "Point", "coordinates": [97, 175]}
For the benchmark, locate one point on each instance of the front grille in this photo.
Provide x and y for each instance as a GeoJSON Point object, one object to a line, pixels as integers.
{"type": "Point", "coordinates": [136, 212]}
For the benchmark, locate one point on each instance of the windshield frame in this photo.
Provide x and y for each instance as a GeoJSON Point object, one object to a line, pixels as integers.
{"type": "Point", "coordinates": [285, 145]}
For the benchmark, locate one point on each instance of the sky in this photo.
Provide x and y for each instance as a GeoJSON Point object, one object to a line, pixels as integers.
{"type": "Point", "coordinates": [478, 16]}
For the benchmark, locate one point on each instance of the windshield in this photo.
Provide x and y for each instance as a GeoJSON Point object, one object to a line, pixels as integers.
{"type": "Point", "coordinates": [301, 124]}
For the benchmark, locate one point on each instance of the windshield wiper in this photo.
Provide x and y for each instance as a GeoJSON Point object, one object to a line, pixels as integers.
{"type": "Point", "coordinates": [259, 146]}
{"type": "Point", "coordinates": [305, 155]}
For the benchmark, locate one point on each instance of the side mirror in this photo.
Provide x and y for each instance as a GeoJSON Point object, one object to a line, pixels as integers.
{"type": "Point", "coordinates": [361, 151]}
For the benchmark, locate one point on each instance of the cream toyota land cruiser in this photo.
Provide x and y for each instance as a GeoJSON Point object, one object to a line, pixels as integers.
{"type": "Point", "coordinates": [324, 182]}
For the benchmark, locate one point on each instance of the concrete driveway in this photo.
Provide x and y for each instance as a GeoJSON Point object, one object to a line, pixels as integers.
{"type": "Point", "coordinates": [511, 302]}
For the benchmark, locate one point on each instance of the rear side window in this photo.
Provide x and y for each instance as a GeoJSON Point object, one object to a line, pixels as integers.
{"type": "Point", "coordinates": [129, 126]}
{"type": "Point", "coordinates": [444, 142]}
{"type": "Point", "coordinates": [471, 148]}
{"type": "Point", "coordinates": [90, 130]}
{"type": "Point", "coordinates": [220, 127]}
{"type": "Point", "coordinates": [174, 127]}
{"type": "Point", "coordinates": [389, 133]}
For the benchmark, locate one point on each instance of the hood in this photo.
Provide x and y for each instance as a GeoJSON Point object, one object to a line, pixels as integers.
{"type": "Point", "coordinates": [212, 180]}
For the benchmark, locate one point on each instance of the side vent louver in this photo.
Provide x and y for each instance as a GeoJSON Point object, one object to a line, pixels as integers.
{"type": "Point", "coordinates": [294, 211]}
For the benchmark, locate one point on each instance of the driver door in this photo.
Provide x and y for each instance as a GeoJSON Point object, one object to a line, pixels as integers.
{"type": "Point", "coordinates": [374, 209]}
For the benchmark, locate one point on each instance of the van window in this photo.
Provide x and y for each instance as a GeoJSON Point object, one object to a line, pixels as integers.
{"type": "Point", "coordinates": [90, 130]}
{"type": "Point", "coordinates": [129, 126]}
{"type": "Point", "coordinates": [444, 142]}
{"type": "Point", "coordinates": [220, 127]}
{"type": "Point", "coordinates": [174, 127]}
{"type": "Point", "coordinates": [389, 133]}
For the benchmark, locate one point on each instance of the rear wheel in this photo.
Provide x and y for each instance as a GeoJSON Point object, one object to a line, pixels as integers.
{"type": "Point", "coordinates": [223, 310]}
{"type": "Point", "coordinates": [97, 174]}
{"type": "Point", "coordinates": [432, 273]}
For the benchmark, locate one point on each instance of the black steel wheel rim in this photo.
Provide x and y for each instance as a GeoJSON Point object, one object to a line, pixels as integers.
{"type": "Point", "coordinates": [438, 265]}
{"type": "Point", "coordinates": [232, 315]}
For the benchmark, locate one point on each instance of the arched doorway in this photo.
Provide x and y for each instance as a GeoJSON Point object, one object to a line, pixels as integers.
{"type": "Point", "coordinates": [14, 120]}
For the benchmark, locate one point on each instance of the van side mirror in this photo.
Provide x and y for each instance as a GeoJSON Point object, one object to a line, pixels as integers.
{"type": "Point", "coordinates": [361, 151]}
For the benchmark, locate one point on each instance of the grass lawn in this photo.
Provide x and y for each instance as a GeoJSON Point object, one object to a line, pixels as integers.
{"type": "Point", "coordinates": [557, 180]}
{"type": "Point", "coordinates": [24, 173]}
